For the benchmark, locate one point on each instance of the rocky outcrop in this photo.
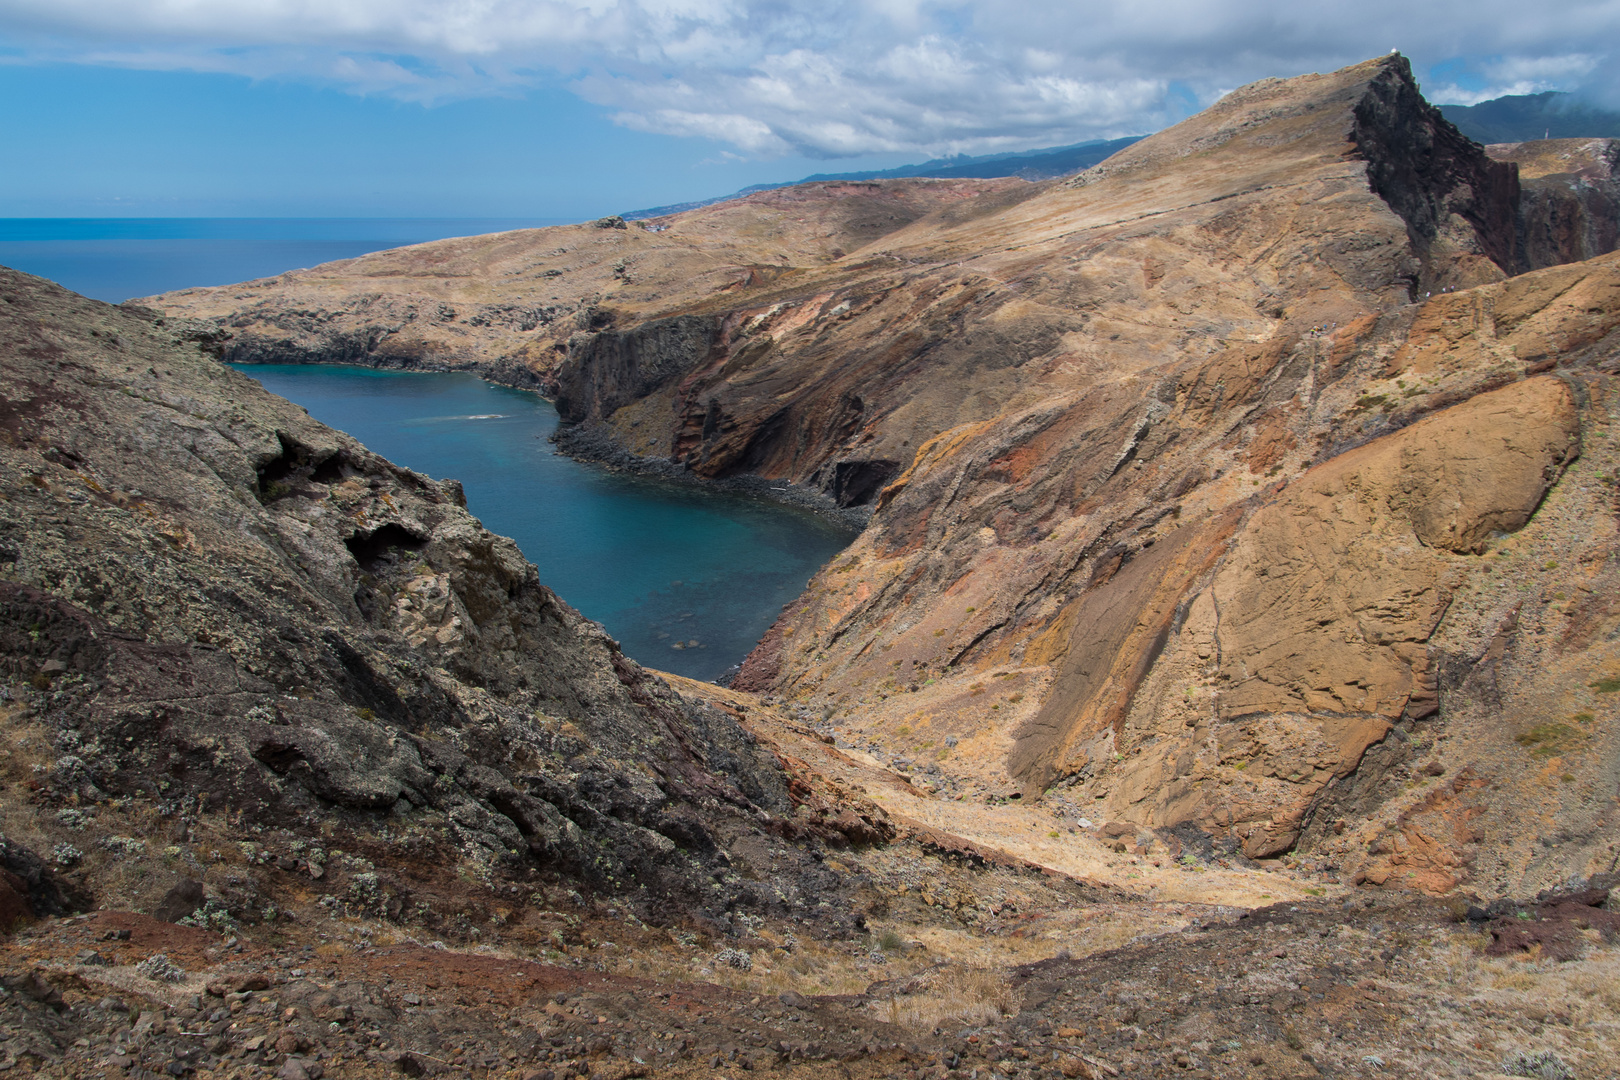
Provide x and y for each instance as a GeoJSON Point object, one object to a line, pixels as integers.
{"type": "Point", "coordinates": [1322, 611]}
{"type": "Point", "coordinates": [1570, 204]}
{"type": "Point", "coordinates": [1458, 203]}
{"type": "Point", "coordinates": [608, 370]}
{"type": "Point", "coordinates": [217, 612]}
{"type": "Point", "coordinates": [1363, 540]}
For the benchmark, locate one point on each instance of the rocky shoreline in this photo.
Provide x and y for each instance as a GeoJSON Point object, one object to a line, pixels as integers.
{"type": "Point", "coordinates": [588, 442]}
{"type": "Point", "coordinates": [501, 373]}
{"type": "Point", "coordinates": [593, 441]}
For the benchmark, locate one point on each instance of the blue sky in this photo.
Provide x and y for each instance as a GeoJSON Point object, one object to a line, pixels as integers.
{"type": "Point", "coordinates": [576, 108]}
{"type": "Point", "coordinates": [88, 141]}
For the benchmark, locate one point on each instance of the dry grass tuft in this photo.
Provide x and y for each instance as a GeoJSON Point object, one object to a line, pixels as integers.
{"type": "Point", "coordinates": [953, 996]}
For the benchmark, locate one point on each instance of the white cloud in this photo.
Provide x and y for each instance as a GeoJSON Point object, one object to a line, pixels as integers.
{"type": "Point", "coordinates": [834, 77]}
{"type": "Point", "coordinates": [1518, 75]}
{"type": "Point", "coordinates": [1543, 70]}
{"type": "Point", "coordinates": [1452, 94]}
{"type": "Point", "coordinates": [746, 132]}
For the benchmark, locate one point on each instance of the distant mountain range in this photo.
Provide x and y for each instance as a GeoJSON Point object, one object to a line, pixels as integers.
{"type": "Point", "coordinates": [1515, 118]}
{"type": "Point", "coordinates": [1523, 117]}
{"type": "Point", "coordinates": [1030, 164]}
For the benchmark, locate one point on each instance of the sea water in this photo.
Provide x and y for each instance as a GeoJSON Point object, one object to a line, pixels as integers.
{"type": "Point", "coordinates": [687, 579]}
{"type": "Point", "coordinates": [116, 259]}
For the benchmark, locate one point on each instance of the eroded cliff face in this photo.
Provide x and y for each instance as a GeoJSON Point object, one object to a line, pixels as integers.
{"type": "Point", "coordinates": [1186, 472]}
{"type": "Point", "coordinates": [226, 617]}
{"type": "Point", "coordinates": [1570, 206]}
{"type": "Point", "coordinates": [1222, 629]}
{"type": "Point", "coordinates": [1199, 582]}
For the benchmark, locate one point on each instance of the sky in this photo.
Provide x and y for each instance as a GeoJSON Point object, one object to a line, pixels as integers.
{"type": "Point", "coordinates": [578, 108]}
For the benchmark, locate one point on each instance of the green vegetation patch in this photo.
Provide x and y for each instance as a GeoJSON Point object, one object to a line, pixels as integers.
{"type": "Point", "coordinates": [1546, 740]}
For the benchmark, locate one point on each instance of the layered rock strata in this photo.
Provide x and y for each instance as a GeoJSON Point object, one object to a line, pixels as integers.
{"type": "Point", "coordinates": [1570, 202]}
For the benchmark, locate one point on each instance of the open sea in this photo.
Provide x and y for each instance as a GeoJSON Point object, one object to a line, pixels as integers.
{"type": "Point", "coordinates": [117, 259]}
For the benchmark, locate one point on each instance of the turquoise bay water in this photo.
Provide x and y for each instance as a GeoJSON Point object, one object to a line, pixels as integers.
{"type": "Point", "coordinates": [656, 564]}
{"type": "Point", "coordinates": [114, 259]}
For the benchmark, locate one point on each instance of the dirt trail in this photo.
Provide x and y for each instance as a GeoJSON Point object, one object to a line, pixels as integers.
{"type": "Point", "coordinates": [1048, 833]}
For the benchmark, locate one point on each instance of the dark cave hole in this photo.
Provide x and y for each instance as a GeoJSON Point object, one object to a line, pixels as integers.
{"type": "Point", "coordinates": [296, 465]}
{"type": "Point", "coordinates": [857, 483]}
{"type": "Point", "coordinates": [278, 756]}
{"type": "Point", "coordinates": [372, 549]}
{"type": "Point", "coordinates": [329, 471]}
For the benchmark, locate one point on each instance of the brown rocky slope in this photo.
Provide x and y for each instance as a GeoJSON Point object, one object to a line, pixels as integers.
{"type": "Point", "coordinates": [218, 616]}
{"type": "Point", "coordinates": [1194, 476]}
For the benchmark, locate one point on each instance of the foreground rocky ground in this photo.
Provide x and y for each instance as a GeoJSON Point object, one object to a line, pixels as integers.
{"type": "Point", "coordinates": [1026, 943]}
{"type": "Point", "coordinates": [1364, 985]}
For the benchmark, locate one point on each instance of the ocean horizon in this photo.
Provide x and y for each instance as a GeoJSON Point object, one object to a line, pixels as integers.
{"type": "Point", "coordinates": [118, 259]}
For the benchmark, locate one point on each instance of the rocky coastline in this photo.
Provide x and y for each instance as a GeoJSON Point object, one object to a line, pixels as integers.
{"type": "Point", "coordinates": [589, 441]}
{"type": "Point", "coordinates": [501, 372]}
{"type": "Point", "coordinates": [595, 442]}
